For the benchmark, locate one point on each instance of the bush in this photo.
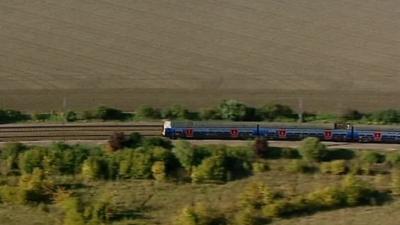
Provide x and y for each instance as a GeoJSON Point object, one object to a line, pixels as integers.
{"type": "Point", "coordinates": [312, 149]}
{"type": "Point", "coordinates": [117, 141]}
{"type": "Point", "coordinates": [372, 157]}
{"type": "Point", "coordinates": [200, 214]}
{"type": "Point", "coordinates": [71, 116]}
{"type": "Point", "coordinates": [299, 166]}
{"type": "Point", "coordinates": [274, 111]}
{"type": "Point", "coordinates": [259, 167]}
{"type": "Point", "coordinates": [73, 215]}
{"type": "Point", "coordinates": [41, 116]}
{"type": "Point", "coordinates": [232, 110]}
{"type": "Point", "coordinates": [9, 157]}
{"type": "Point", "coordinates": [94, 168]}
{"type": "Point", "coordinates": [396, 182]}
{"type": "Point", "coordinates": [357, 191]}
{"type": "Point", "coordinates": [29, 160]}
{"type": "Point", "coordinates": [249, 216]}
{"type": "Point", "coordinates": [12, 116]}
{"type": "Point", "coordinates": [261, 147]}
{"type": "Point", "coordinates": [147, 112]}
{"type": "Point", "coordinates": [157, 141]}
{"type": "Point", "coordinates": [159, 171]}
{"type": "Point", "coordinates": [211, 169]}
{"type": "Point", "coordinates": [210, 114]}
{"type": "Point", "coordinates": [387, 116]}
{"type": "Point", "coordinates": [134, 140]}
{"type": "Point", "coordinates": [337, 167]}
{"type": "Point", "coordinates": [393, 160]}
{"type": "Point", "coordinates": [352, 115]}
{"type": "Point", "coordinates": [256, 196]}
{"type": "Point", "coordinates": [106, 113]}
{"type": "Point", "coordinates": [178, 112]}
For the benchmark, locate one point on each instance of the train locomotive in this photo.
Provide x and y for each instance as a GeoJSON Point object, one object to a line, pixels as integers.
{"type": "Point", "coordinates": [279, 131]}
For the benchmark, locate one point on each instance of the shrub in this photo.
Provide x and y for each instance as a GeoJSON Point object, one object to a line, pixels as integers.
{"type": "Point", "coordinates": [41, 116]}
{"type": "Point", "coordinates": [372, 157]}
{"type": "Point", "coordinates": [9, 156]}
{"type": "Point", "coordinates": [157, 141]}
{"type": "Point", "coordinates": [232, 110]}
{"type": "Point", "coordinates": [393, 160]}
{"type": "Point", "coordinates": [312, 149]}
{"type": "Point", "coordinates": [261, 147]}
{"type": "Point", "coordinates": [210, 114]}
{"type": "Point", "coordinates": [256, 195]}
{"type": "Point", "coordinates": [117, 141]}
{"type": "Point", "coordinates": [200, 214]}
{"type": "Point", "coordinates": [276, 209]}
{"type": "Point", "coordinates": [211, 169]}
{"type": "Point", "coordinates": [147, 112]}
{"type": "Point", "coordinates": [94, 168]}
{"type": "Point", "coordinates": [357, 191]}
{"type": "Point", "coordinates": [352, 115]}
{"type": "Point", "coordinates": [274, 111]}
{"type": "Point", "coordinates": [185, 153]}
{"type": "Point", "coordinates": [329, 197]}
{"type": "Point", "coordinates": [140, 165]}
{"type": "Point", "coordinates": [178, 112]}
{"type": "Point", "coordinates": [106, 113]}
{"type": "Point", "coordinates": [32, 159]}
{"type": "Point", "coordinates": [337, 167]}
{"type": "Point", "coordinates": [299, 166]}
{"type": "Point", "coordinates": [159, 171]}
{"type": "Point", "coordinates": [259, 167]}
{"type": "Point", "coordinates": [134, 140]}
{"type": "Point", "coordinates": [249, 216]}
{"type": "Point", "coordinates": [12, 116]}
{"type": "Point", "coordinates": [386, 116]}
{"type": "Point", "coordinates": [396, 182]}
{"type": "Point", "coordinates": [73, 215]}
{"type": "Point", "coordinates": [71, 116]}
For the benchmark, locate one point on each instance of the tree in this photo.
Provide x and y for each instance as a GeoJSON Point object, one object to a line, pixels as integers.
{"type": "Point", "coordinates": [184, 152]}
{"type": "Point", "coordinates": [177, 112]}
{"type": "Point", "coordinates": [312, 149]}
{"type": "Point", "coordinates": [200, 214]}
{"type": "Point", "coordinates": [232, 110]}
{"type": "Point", "coordinates": [106, 113]}
{"type": "Point", "coordinates": [159, 171]}
{"type": "Point", "coordinates": [147, 112]}
{"type": "Point", "coordinates": [71, 116]}
{"type": "Point", "coordinates": [211, 169]}
{"type": "Point", "coordinates": [352, 115]}
{"type": "Point", "coordinates": [117, 141]}
{"type": "Point", "coordinates": [274, 111]}
{"type": "Point", "coordinates": [261, 147]}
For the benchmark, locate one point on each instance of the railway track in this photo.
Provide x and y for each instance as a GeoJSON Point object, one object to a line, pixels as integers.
{"type": "Point", "coordinates": [63, 132]}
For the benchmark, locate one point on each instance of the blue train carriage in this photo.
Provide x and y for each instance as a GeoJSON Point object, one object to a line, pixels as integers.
{"type": "Point", "coordinates": [299, 132]}
{"type": "Point", "coordinates": [382, 134]}
{"type": "Point", "coordinates": [209, 130]}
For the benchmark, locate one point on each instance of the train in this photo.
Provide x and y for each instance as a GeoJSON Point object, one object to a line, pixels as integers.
{"type": "Point", "coordinates": [337, 132]}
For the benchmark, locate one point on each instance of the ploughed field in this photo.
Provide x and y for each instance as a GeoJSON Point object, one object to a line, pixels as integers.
{"type": "Point", "coordinates": [333, 54]}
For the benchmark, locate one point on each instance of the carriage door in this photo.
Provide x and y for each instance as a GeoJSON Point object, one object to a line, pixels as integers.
{"type": "Point", "coordinates": [282, 133]}
{"type": "Point", "coordinates": [234, 133]}
{"type": "Point", "coordinates": [378, 136]}
{"type": "Point", "coordinates": [189, 133]}
{"type": "Point", "coordinates": [328, 135]}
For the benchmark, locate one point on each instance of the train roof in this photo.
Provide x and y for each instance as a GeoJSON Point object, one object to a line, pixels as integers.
{"type": "Point", "coordinates": [222, 124]}
{"type": "Point", "coordinates": [195, 124]}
